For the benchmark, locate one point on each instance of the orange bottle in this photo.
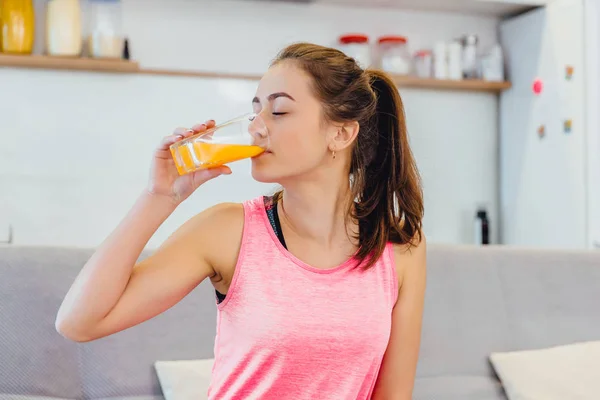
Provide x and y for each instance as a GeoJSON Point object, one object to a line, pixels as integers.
{"type": "Point", "coordinates": [17, 22]}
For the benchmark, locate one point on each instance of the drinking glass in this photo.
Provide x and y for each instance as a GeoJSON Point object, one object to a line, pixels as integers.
{"type": "Point", "coordinates": [237, 139]}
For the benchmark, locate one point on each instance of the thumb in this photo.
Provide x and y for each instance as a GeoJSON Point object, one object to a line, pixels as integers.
{"type": "Point", "coordinates": [204, 175]}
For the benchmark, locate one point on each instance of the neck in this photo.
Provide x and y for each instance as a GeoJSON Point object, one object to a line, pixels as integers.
{"type": "Point", "coordinates": [318, 210]}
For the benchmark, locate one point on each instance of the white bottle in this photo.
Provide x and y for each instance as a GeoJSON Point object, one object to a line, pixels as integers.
{"type": "Point", "coordinates": [63, 28]}
{"type": "Point", "coordinates": [492, 65]}
{"type": "Point", "coordinates": [455, 65]}
{"type": "Point", "coordinates": [440, 61]}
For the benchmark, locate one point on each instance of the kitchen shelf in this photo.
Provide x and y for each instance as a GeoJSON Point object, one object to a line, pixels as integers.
{"type": "Point", "coordinates": [473, 85]}
{"type": "Point", "coordinates": [200, 74]}
{"type": "Point", "coordinates": [401, 81]}
{"type": "Point", "coordinates": [123, 66]}
{"type": "Point", "coordinates": [68, 63]}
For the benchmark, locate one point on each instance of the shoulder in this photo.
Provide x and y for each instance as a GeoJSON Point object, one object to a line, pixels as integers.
{"type": "Point", "coordinates": [209, 227]}
{"type": "Point", "coordinates": [411, 259]}
{"type": "Point", "coordinates": [220, 214]}
{"type": "Point", "coordinates": [219, 230]}
{"type": "Point", "coordinates": [213, 223]}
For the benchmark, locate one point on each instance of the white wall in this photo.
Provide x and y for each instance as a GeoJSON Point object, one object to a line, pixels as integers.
{"type": "Point", "coordinates": [75, 147]}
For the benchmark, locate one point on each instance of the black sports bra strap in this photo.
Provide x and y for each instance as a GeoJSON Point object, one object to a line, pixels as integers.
{"type": "Point", "coordinates": [271, 209]}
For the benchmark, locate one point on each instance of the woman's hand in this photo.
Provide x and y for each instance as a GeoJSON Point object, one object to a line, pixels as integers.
{"type": "Point", "coordinates": [164, 178]}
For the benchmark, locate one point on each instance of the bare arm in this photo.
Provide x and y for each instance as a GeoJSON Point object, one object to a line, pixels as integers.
{"type": "Point", "coordinates": [112, 293]}
{"type": "Point", "coordinates": [397, 376]}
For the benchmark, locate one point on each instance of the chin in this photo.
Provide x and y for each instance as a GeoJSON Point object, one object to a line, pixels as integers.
{"type": "Point", "coordinates": [263, 175]}
{"type": "Point", "coordinates": [262, 171]}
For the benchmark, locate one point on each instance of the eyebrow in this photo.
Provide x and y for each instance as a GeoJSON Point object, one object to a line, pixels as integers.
{"type": "Point", "coordinates": [273, 96]}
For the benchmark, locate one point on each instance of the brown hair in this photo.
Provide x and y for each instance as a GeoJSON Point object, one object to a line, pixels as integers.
{"type": "Point", "coordinates": [385, 180]}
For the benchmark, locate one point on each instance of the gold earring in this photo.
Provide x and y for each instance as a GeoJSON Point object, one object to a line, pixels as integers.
{"type": "Point", "coordinates": [333, 154]}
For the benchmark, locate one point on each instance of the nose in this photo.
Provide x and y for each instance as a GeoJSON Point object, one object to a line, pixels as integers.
{"type": "Point", "coordinates": [258, 126]}
{"type": "Point", "coordinates": [259, 131]}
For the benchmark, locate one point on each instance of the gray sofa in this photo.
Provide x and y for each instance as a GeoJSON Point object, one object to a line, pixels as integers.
{"type": "Point", "coordinates": [479, 300]}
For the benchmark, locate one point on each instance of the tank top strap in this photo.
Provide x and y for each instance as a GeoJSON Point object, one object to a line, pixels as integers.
{"type": "Point", "coordinates": [254, 216]}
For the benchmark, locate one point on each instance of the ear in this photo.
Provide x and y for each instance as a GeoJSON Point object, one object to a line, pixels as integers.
{"type": "Point", "coordinates": [344, 136]}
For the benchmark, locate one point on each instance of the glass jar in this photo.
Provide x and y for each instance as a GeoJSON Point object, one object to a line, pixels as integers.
{"type": "Point", "coordinates": [394, 55]}
{"type": "Point", "coordinates": [18, 26]}
{"type": "Point", "coordinates": [424, 64]}
{"type": "Point", "coordinates": [357, 47]}
{"type": "Point", "coordinates": [106, 39]}
{"type": "Point", "coordinates": [63, 28]}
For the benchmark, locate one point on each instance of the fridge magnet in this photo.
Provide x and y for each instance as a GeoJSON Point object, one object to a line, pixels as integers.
{"type": "Point", "coordinates": [569, 72]}
{"type": "Point", "coordinates": [538, 86]}
{"type": "Point", "coordinates": [568, 125]}
{"type": "Point", "coordinates": [541, 131]}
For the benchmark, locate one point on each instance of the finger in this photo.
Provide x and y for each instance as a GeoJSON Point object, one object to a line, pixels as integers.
{"type": "Point", "coordinates": [202, 127]}
{"type": "Point", "coordinates": [180, 131]}
{"type": "Point", "coordinates": [184, 132]}
{"type": "Point", "coordinates": [199, 128]}
{"type": "Point", "coordinates": [205, 175]}
{"type": "Point", "coordinates": [216, 171]}
{"type": "Point", "coordinates": [169, 140]}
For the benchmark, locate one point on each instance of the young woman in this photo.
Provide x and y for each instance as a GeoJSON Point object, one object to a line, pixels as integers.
{"type": "Point", "coordinates": [320, 288]}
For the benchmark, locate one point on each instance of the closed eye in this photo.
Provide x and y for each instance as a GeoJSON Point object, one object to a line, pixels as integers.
{"type": "Point", "coordinates": [279, 113]}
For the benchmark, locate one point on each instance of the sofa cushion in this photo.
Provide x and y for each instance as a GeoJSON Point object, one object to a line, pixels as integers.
{"type": "Point", "coordinates": [35, 359]}
{"type": "Point", "coordinates": [185, 379]}
{"type": "Point", "coordinates": [556, 373]}
{"type": "Point", "coordinates": [458, 388]}
{"type": "Point", "coordinates": [497, 299]}
{"type": "Point", "coordinates": [123, 364]}
{"type": "Point", "coordinates": [150, 397]}
{"type": "Point", "coordinates": [26, 397]}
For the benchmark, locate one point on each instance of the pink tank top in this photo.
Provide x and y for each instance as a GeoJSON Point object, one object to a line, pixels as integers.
{"type": "Point", "coordinates": [287, 330]}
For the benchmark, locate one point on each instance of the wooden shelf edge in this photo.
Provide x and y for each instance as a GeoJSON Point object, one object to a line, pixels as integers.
{"type": "Point", "coordinates": [68, 63]}
{"type": "Point", "coordinates": [473, 85]}
{"type": "Point", "coordinates": [199, 74]}
{"type": "Point", "coordinates": [125, 66]}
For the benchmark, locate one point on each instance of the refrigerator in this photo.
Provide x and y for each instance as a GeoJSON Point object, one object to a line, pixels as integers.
{"type": "Point", "coordinates": [550, 127]}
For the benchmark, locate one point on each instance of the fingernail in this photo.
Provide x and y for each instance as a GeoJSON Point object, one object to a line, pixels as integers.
{"type": "Point", "coordinates": [190, 131]}
{"type": "Point", "coordinates": [203, 126]}
{"type": "Point", "coordinates": [179, 136]}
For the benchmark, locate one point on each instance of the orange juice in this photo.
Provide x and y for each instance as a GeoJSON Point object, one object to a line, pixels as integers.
{"type": "Point", "coordinates": [200, 155]}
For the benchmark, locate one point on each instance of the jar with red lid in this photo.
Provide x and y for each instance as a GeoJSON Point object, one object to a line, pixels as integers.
{"type": "Point", "coordinates": [356, 46]}
{"type": "Point", "coordinates": [394, 56]}
{"type": "Point", "coordinates": [424, 63]}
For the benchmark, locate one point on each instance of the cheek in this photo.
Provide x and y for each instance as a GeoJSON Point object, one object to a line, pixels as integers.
{"type": "Point", "coordinates": [298, 140]}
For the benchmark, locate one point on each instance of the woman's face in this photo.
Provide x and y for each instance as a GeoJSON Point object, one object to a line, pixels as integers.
{"type": "Point", "coordinates": [299, 135]}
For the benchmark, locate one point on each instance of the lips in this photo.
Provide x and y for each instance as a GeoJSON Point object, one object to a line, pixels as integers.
{"type": "Point", "coordinates": [262, 154]}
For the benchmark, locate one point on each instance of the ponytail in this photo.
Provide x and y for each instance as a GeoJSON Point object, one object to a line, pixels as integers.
{"type": "Point", "coordinates": [387, 182]}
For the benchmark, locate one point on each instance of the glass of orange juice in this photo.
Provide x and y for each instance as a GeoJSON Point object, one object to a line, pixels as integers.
{"type": "Point", "coordinates": [242, 137]}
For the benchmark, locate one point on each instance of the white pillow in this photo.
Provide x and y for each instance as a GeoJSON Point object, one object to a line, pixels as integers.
{"type": "Point", "coordinates": [184, 379]}
{"type": "Point", "coordinates": [558, 373]}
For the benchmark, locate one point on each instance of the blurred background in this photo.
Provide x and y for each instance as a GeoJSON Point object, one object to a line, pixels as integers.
{"type": "Point", "coordinates": [501, 98]}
